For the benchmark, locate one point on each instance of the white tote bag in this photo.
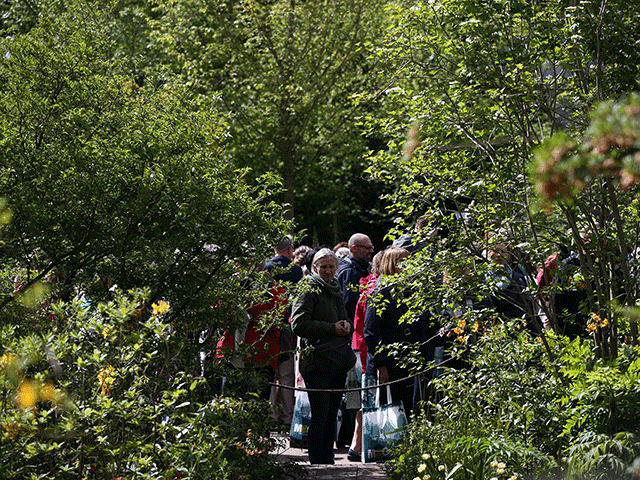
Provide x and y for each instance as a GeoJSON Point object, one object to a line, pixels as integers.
{"type": "Point", "coordinates": [383, 427]}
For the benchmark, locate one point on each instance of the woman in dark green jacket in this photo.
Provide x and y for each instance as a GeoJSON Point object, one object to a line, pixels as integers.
{"type": "Point", "coordinates": [318, 313]}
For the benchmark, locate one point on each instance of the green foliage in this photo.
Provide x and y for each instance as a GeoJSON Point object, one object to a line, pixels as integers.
{"type": "Point", "coordinates": [478, 86]}
{"type": "Point", "coordinates": [111, 183]}
{"type": "Point", "coordinates": [118, 188]}
{"type": "Point", "coordinates": [513, 406]}
{"type": "Point", "coordinates": [582, 176]}
{"type": "Point", "coordinates": [564, 167]}
{"type": "Point", "coordinates": [285, 73]}
{"type": "Point", "coordinates": [102, 395]}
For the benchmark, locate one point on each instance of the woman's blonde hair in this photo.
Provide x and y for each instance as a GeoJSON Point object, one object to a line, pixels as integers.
{"type": "Point", "coordinates": [375, 262]}
{"type": "Point", "coordinates": [390, 260]}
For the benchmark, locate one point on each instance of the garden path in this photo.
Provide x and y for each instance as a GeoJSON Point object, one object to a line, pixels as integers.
{"type": "Point", "coordinates": [343, 468]}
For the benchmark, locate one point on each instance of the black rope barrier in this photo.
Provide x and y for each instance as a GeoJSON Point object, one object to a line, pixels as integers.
{"type": "Point", "coordinates": [360, 389]}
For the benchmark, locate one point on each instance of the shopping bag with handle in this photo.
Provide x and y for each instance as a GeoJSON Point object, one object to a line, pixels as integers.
{"type": "Point", "coordinates": [383, 427]}
{"type": "Point", "coordinates": [301, 416]}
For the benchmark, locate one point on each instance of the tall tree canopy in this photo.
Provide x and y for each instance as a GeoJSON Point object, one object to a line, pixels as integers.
{"type": "Point", "coordinates": [480, 85]}
{"type": "Point", "coordinates": [285, 71]}
{"type": "Point", "coordinates": [111, 183]}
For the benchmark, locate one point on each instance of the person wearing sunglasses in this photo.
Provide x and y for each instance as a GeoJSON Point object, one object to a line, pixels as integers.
{"type": "Point", "coordinates": [353, 268]}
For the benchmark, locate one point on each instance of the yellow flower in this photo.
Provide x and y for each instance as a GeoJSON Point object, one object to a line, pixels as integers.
{"type": "Point", "coordinates": [462, 338]}
{"type": "Point", "coordinates": [494, 464]}
{"type": "Point", "coordinates": [160, 308]}
{"type": "Point", "coordinates": [441, 467]}
{"type": "Point", "coordinates": [426, 456]}
{"type": "Point", "coordinates": [6, 359]}
{"type": "Point", "coordinates": [48, 392]}
{"type": "Point", "coordinates": [460, 328]}
{"type": "Point", "coordinates": [107, 378]}
{"type": "Point", "coordinates": [604, 323]}
{"type": "Point", "coordinates": [106, 331]}
{"type": "Point", "coordinates": [502, 465]}
{"type": "Point", "coordinates": [9, 363]}
{"type": "Point", "coordinates": [513, 477]}
{"type": "Point", "coordinates": [426, 477]}
{"type": "Point", "coordinates": [422, 468]}
{"type": "Point", "coordinates": [27, 395]}
{"type": "Point", "coordinates": [500, 471]}
{"type": "Point", "coordinates": [475, 327]}
{"type": "Point", "coordinates": [591, 327]}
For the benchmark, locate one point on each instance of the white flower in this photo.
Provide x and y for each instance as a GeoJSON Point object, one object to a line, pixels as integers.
{"type": "Point", "coordinates": [514, 477]}
{"type": "Point", "coordinates": [426, 477]}
{"type": "Point", "coordinates": [426, 456]}
{"type": "Point", "coordinates": [494, 478]}
{"type": "Point", "coordinates": [416, 478]}
{"type": "Point", "coordinates": [441, 467]}
{"type": "Point", "coordinates": [501, 465]}
{"type": "Point", "coordinates": [494, 464]}
{"type": "Point", "coordinates": [500, 471]}
{"type": "Point", "coordinates": [422, 468]}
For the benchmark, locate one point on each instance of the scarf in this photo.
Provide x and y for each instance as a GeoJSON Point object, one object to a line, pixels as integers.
{"type": "Point", "coordinates": [332, 288]}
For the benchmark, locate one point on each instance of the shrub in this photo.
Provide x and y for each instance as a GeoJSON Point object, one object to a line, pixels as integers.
{"type": "Point", "coordinates": [570, 416]}
{"type": "Point", "coordinates": [101, 397]}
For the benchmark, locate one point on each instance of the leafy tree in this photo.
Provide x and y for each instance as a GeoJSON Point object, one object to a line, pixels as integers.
{"type": "Point", "coordinates": [130, 235]}
{"type": "Point", "coordinates": [112, 184]}
{"type": "Point", "coordinates": [286, 72]}
{"type": "Point", "coordinates": [484, 87]}
{"type": "Point", "coordinates": [481, 84]}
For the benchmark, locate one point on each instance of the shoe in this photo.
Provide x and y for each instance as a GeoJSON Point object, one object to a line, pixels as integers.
{"type": "Point", "coordinates": [354, 456]}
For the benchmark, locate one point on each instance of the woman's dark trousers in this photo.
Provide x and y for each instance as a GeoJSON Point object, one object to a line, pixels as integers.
{"type": "Point", "coordinates": [324, 411]}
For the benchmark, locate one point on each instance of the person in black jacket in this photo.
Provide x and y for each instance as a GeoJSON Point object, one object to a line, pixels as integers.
{"type": "Point", "coordinates": [353, 268]}
{"type": "Point", "coordinates": [318, 313]}
{"type": "Point", "coordinates": [382, 327]}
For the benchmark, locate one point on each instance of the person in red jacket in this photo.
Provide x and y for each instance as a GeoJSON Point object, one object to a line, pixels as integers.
{"type": "Point", "coordinates": [263, 331]}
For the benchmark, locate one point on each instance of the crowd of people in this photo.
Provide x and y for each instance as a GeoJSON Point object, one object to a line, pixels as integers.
{"type": "Point", "coordinates": [347, 291]}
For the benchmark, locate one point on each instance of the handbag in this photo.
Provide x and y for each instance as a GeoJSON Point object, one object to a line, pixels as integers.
{"type": "Point", "coordinates": [383, 427]}
{"type": "Point", "coordinates": [334, 356]}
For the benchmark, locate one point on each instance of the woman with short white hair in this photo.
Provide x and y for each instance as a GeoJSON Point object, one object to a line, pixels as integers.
{"type": "Point", "coordinates": [318, 313]}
